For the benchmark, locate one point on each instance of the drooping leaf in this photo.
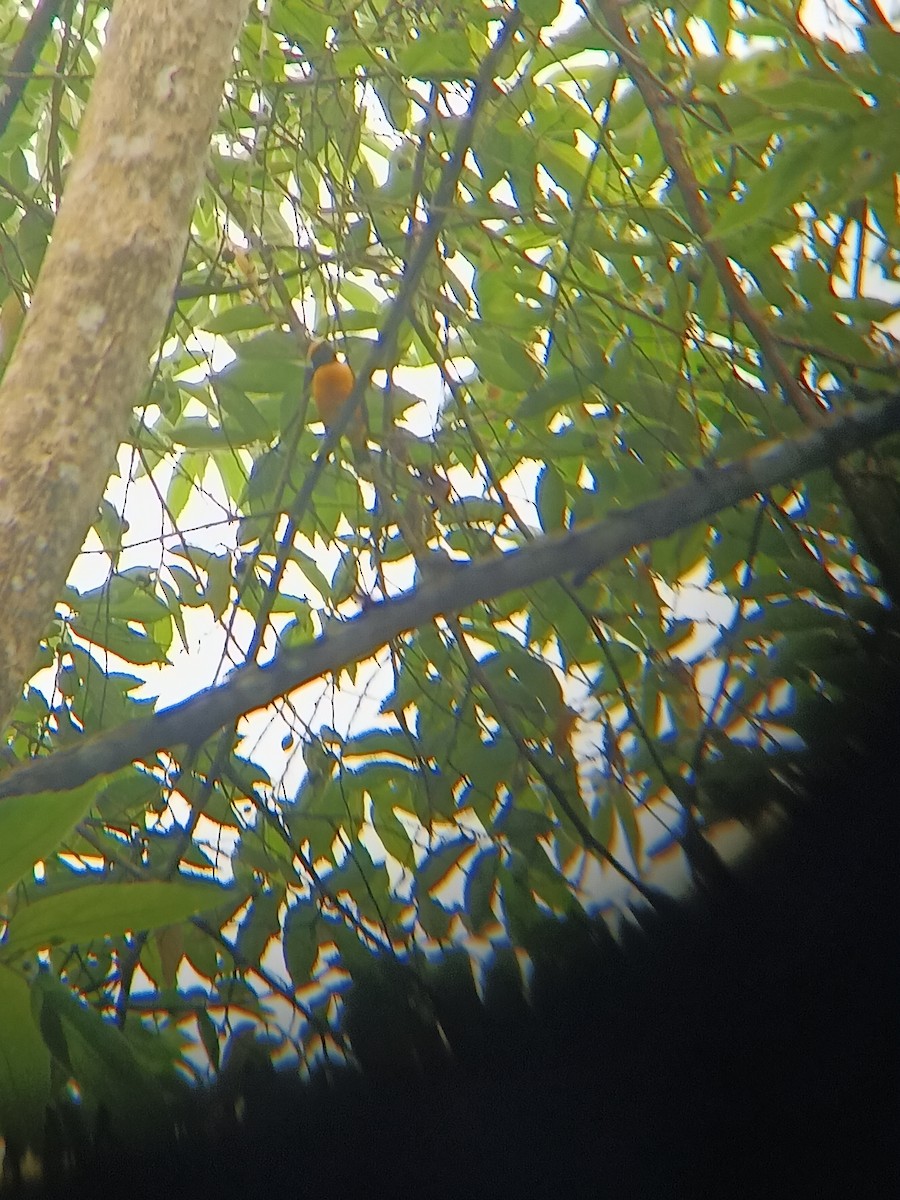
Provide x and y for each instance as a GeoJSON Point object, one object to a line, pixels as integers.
{"type": "Point", "coordinates": [24, 1066]}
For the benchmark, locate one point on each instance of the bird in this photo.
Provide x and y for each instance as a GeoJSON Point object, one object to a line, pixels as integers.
{"type": "Point", "coordinates": [331, 385]}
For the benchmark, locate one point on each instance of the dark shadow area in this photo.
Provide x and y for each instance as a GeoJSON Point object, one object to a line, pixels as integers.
{"type": "Point", "coordinates": [742, 1042]}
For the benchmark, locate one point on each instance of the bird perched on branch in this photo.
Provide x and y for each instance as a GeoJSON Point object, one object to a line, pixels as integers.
{"type": "Point", "coordinates": [331, 385]}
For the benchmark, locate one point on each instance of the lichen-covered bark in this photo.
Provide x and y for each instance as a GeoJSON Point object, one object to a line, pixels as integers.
{"type": "Point", "coordinates": [102, 297]}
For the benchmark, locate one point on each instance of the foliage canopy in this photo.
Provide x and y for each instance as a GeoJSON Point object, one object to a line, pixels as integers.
{"type": "Point", "coordinates": [575, 259]}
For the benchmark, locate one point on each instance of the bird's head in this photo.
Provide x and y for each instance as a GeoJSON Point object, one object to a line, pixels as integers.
{"type": "Point", "coordinates": [321, 351]}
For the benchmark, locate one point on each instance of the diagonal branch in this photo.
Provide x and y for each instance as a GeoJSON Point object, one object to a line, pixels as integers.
{"type": "Point", "coordinates": [579, 552]}
{"type": "Point", "coordinates": [19, 72]}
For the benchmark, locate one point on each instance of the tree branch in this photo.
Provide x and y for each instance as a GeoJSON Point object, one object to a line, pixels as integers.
{"type": "Point", "coordinates": [19, 72]}
{"type": "Point", "coordinates": [579, 552]}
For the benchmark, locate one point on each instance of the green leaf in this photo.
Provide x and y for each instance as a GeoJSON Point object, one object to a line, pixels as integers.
{"type": "Point", "coordinates": [254, 375]}
{"type": "Point", "coordinates": [99, 910]}
{"type": "Point", "coordinates": [481, 880]}
{"type": "Point", "coordinates": [179, 491]}
{"type": "Point", "coordinates": [773, 191]}
{"type": "Point", "coordinates": [434, 919]}
{"type": "Point", "coordinates": [32, 827]}
{"type": "Point", "coordinates": [393, 836]}
{"type": "Point", "coordinates": [624, 806]}
{"type": "Point", "coordinates": [198, 434]}
{"type": "Point", "coordinates": [32, 239]}
{"type": "Point", "coordinates": [551, 499]}
{"type": "Point", "coordinates": [301, 941]}
{"type": "Point", "coordinates": [380, 744]}
{"type": "Point", "coordinates": [502, 360]}
{"type": "Point", "coordinates": [367, 882]}
{"type": "Point", "coordinates": [238, 317]}
{"type": "Point", "coordinates": [820, 97]}
{"type": "Point", "coordinates": [553, 888]}
{"type": "Point", "coordinates": [201, 952]}
{"type": "Point", "coordinates": [345, 583]}
{"type": "Point", "coordinates": [209, 1036]}
{"type": "Point", "coordinates": [522, 914]}
{"type": "Point", "coordinates": [243, 416]}
{"type": "Point", "coordinates": [273, 344]}
{"type": "Point", "coordinates": [130, 597]}
{"type": "Point", "coordinates": [311, 572]}
{"type": "Point", "coordinates": [127, 643]}
{"type": "Point", "coordinates": [440, 862]}
{"type": "Point", "coordinates": [24, 1066]}
{"type": "Point", "coordinates": [601, 824]}
{"type": "Point", "coordinates": [541, 12]}
{"type": "Point", "coordinates": [355, 955]}
{"type": "Point", "coordinates": [261, 924]}
{"type": "Point", "coordinates": [522, 826]}
{"type": "Point", "coordinates": [444, 56]}
{"type": "Point", "coordinates": [103, 1062]}
{"type": "Point", "coordinates": [562, 387]}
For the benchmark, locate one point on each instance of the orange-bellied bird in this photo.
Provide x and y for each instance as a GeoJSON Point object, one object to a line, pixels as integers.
{"type": "Point", "coordinates": [331, 383]}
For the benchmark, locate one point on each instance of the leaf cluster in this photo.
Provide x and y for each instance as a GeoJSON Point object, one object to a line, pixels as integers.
{"type": "Point", "coordinates": [569, 343]}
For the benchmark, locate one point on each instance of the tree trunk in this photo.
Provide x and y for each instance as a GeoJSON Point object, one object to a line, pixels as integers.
{"type": "Point", "coordinates": [103, 296]}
